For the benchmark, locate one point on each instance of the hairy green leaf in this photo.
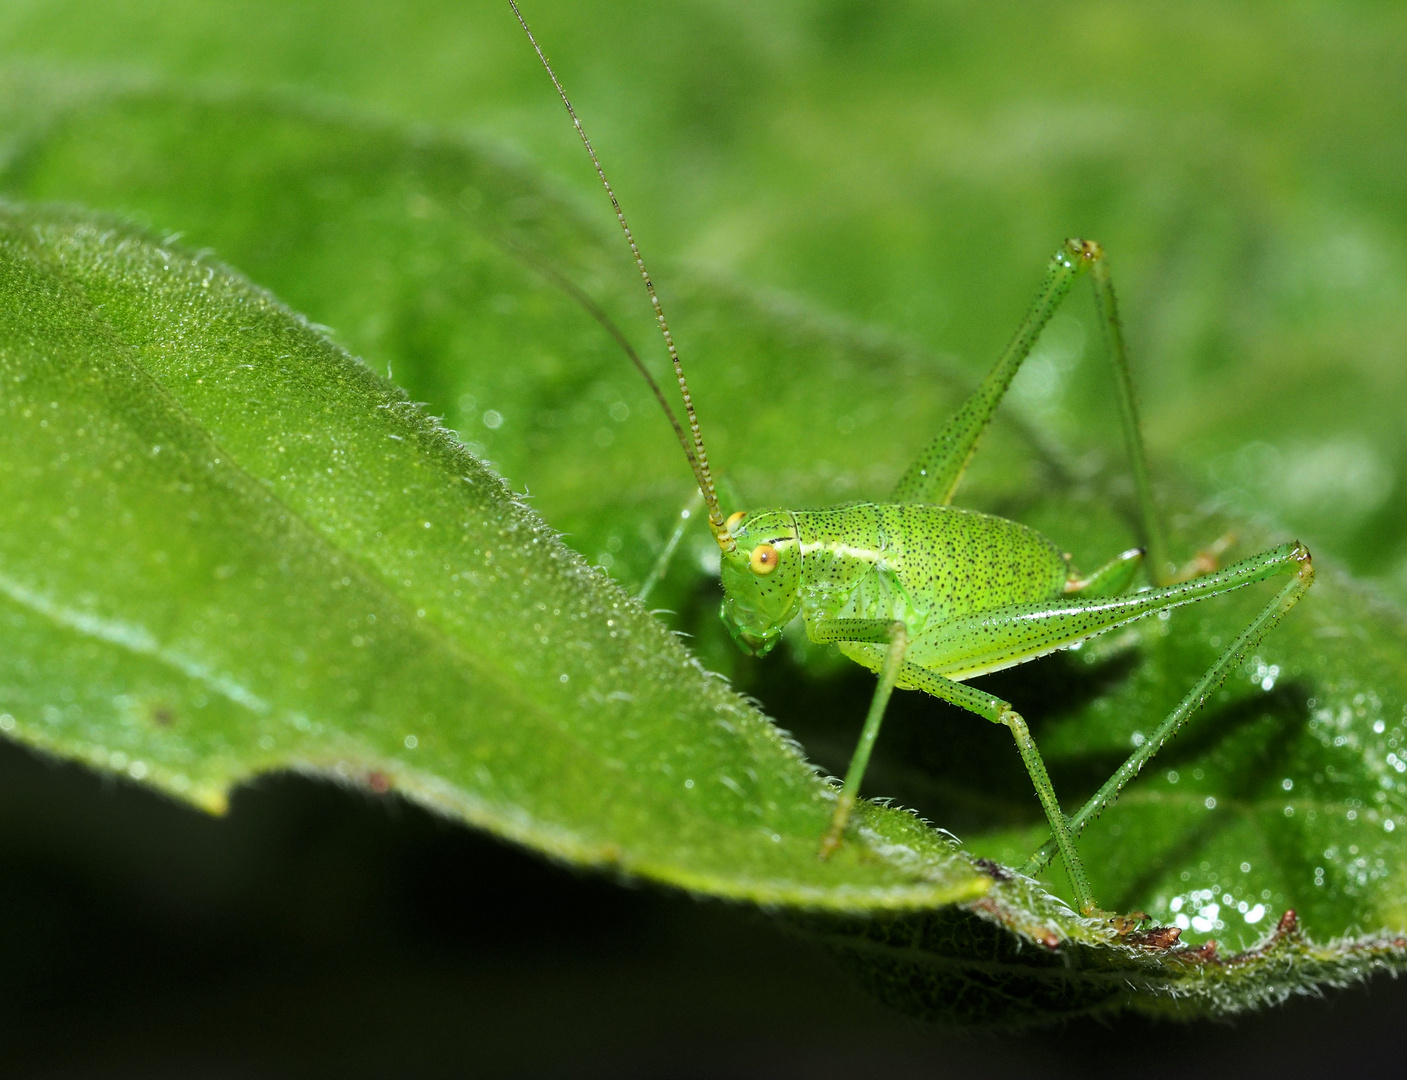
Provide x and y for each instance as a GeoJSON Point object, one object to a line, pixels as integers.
{"type": "Point", "coordinates": [229, 547]}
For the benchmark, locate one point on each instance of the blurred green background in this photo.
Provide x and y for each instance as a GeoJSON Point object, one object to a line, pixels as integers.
{"type": "Point", "coordinates": [911, 166]}
{"type": "Point", "coordinates": [903, 166]}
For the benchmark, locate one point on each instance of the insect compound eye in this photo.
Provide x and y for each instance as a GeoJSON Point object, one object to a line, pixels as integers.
{"type": "Point", "coordinates": [734, 518]}
{"type": "Point", "coordinates": [764, 559]}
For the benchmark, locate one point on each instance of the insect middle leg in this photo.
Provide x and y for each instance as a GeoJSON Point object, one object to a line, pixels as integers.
{"type": "Point", "coordinates": [1001, 712]}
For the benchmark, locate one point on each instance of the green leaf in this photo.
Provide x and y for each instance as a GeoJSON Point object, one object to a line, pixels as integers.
{"type": "Point", "coordinates": [231, 548]}
{"type": "Point", "coordinates": [197, 614]}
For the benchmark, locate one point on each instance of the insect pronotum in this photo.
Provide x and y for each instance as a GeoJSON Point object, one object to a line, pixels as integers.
{"type": "Point", "coordinates": [928, 595]}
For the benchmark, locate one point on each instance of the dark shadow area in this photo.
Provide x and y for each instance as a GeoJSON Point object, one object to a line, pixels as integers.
{"type": "Point", "coordinates": [321, 931]}
{"type": "Point", "coordinates": [949, 765]}
{"type": "Point", "coordinates": [955, 768]}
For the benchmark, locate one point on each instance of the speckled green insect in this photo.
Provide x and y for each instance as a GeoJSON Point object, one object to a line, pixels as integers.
{"type": "Point", "coordinates": [928, 595]}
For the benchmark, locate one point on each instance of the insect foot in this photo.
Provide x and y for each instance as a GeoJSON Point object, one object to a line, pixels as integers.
{"type": "Point", "coordinates": [843, 805]}
{"type": "Point", "coordinates": [1045, 791]}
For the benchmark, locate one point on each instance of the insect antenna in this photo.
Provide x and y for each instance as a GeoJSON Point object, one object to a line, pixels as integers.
{"type": "Point", "coordinates": [592, 308]}
{"type": "Point", "coordinates": [697, 455]}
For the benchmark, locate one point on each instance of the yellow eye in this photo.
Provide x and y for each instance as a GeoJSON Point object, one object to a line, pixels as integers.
{"type": "Point", "coordinates": [764, 559]}
{"type": "Point", "coordinates": [733, 519]}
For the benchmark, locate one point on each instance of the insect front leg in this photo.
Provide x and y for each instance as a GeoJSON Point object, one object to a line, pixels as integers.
{"type": "Point", "coordinates": [878, 632]}
{"type": "Point", "coordinates": [671, 545]}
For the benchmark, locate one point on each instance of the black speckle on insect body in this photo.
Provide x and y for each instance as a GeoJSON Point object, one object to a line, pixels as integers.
{"type": "Point", "coordinates": [939, 562]}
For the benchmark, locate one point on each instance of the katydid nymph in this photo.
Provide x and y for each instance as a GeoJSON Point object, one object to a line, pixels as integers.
{"type": "Point", "coordinates": [928, 595]}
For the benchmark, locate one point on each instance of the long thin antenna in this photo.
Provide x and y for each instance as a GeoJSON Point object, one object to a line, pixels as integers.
{"type": "Point", "coordinates": [698, 460]}
{"type": "Point", "coordinates": [592, 308]}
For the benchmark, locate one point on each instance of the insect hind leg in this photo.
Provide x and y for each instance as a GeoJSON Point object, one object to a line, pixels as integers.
{"type": "Point", "coordinates": [1293, 559]}
{"type": "Point", "coordinates": [934, 477]}
{"type": "Point", "coordinates": [962, 648]}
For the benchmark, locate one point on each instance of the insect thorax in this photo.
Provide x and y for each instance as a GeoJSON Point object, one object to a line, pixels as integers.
{"type": "Point", "coordinates": [920, 563]}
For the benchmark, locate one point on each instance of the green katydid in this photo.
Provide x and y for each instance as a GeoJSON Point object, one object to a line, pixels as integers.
{"type": "Point", "coordinates": [928, 595]}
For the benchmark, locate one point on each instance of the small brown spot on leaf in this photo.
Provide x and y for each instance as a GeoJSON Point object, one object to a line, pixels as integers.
{"type": "Point", "coordinates": [1043, 935]}
{"type": "Point", "coordinates": [1205, 955]}
{"type": "Point", "coordinates": [378, 781]}
{"type": "Point", "coordinates": [163, 716]}
{"type": "Point", "coordinates": [1156, 938]}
